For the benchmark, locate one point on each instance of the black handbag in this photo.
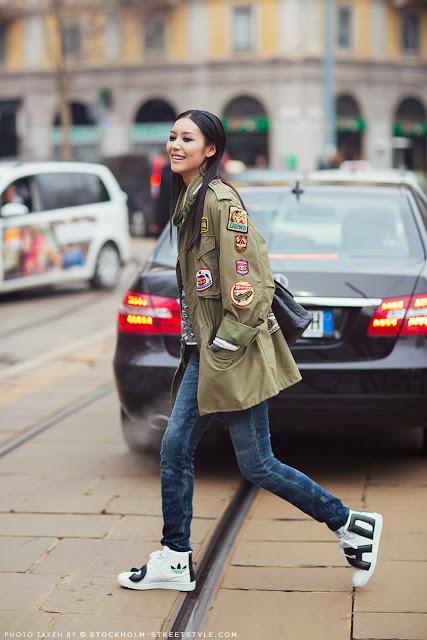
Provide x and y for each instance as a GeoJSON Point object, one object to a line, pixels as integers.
{"type": "Point", "coordinates": [291, 317]}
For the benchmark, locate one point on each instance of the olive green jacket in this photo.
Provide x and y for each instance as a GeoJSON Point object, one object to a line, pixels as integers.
{"type": "Point", "coordinates": [229, 288]}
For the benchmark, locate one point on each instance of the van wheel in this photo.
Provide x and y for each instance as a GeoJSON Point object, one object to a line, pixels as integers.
{"type": "Point", "coordinates": [107, 269]}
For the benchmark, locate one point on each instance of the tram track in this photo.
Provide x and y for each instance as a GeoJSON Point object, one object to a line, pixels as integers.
{"type": "Point", "coordinates": [72, 409]}
{"type": "Point", "coordinates": [190, 614]}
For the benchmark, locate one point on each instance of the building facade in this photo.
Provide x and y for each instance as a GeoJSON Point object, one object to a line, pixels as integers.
{"type": "Point", "coordinates": [133, 65]}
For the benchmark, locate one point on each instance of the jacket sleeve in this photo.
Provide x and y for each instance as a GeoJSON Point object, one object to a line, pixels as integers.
{"type": "Point", "coordinates": [246, 280]}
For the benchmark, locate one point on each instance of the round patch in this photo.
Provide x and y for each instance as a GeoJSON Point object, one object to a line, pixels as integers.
{"type": "Point", "coordinates": [242, 293]}
{"type": "Point", "coordinates": [204, 279]}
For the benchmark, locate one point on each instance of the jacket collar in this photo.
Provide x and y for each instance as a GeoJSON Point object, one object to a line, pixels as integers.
{"type": "Point", "coordinates": [186, 200]}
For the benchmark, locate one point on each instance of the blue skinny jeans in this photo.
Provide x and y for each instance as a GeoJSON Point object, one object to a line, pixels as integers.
{"type": "Point", "coordinates": [250, 434]}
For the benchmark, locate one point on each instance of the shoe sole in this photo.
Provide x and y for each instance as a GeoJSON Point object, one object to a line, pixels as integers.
{"type": "Point", "coordinates": [140, 586]}
{"type": "Point", "coordinates": [375, 549]}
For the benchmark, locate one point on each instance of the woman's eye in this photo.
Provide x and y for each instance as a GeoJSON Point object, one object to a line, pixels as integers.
{"type": "Point", "coordinates": [171, 138]}
{"type": "Point", "coordinates": [187, 139]}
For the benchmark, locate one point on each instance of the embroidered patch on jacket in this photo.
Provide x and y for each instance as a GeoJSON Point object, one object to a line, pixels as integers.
{"type": "Point", "coordinates": [242, 293]}
{"type": "Point", "coordinates": [204, 279]}
{"type": "Point", "coordinates": [241, 243]}
{"type": "Point", "coordinates": [272, 324]}
{"type": "Point", "coordinates": [242, 267]}
{"type": "Point", "coordinates": [237, 220]}
{"type": "Point", "coordinates": [204, 225]}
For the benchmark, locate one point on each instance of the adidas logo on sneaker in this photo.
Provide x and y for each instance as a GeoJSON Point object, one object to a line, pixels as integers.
{"type": "Point", "coordinates": [178, 568]}
{"type": "Point", "coordinates": [359, 542]}
{"type": "Point", "coordinates": [165, 569]}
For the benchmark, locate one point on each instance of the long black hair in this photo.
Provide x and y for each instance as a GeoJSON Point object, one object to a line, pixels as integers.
{"type": "Point", "coordinates": [213, 132]}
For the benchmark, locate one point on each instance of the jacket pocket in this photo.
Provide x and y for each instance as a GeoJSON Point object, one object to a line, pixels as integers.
{"type": "Point", "coordinates": [207, 270]}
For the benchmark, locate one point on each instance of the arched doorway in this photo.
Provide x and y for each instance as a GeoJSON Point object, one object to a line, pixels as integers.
{"type": "Point", "coordinates": [8, 133]}
{"type": "Point", "coordinates": [350, 128]}
{"type": "Point", "coordinates": [410, 135]}
{"type": "Point", "coordinates": [246, 123]}
{"type": "Point", "coordinates": [84, 133]}
{"type": "Point", "coordinates": [152, 124]}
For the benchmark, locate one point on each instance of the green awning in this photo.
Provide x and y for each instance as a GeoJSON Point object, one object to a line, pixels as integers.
{"type": "Point", "coordinates": [154, 132]}
{"type": "Point", "coordinates": [350, 125]}
{"type": "Point", "coordinates": [246, 124]}
{"type": "Point", "coordinates": [79, 134]}
{"type": "Point", "coordinates": [410, 129]}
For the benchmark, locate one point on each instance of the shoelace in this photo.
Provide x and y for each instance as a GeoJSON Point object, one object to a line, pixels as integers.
{"type": "Point", "coordinates": [347, 539]}
{"type": "Point", "coordinates": [152, 556]}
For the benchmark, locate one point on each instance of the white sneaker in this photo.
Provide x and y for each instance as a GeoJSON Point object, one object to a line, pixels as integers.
{"type": "Point", "coordinates": [359, 542]}
{"type": "Point", "coordinates": [165, 569]}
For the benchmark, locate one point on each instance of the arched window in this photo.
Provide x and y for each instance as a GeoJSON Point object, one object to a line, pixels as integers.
{"type": "Point", "coordinates": [350, 127]}
{"type": "Point", "coordinates": [410, 135]}
{"type": "Point", "coordinates": [246, 124]}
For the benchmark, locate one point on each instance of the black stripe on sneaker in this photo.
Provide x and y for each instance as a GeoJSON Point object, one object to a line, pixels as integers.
{"type": "Point", "coordinates": [361, 531]}
{"type": "Point", "coordinates": [357, 561]}
{"type": "Point", "coordinates": [190, 566]}
{"type": "Point", "coordinates": [139, 575]}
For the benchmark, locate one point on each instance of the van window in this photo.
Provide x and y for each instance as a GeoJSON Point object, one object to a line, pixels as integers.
{"type": "Point", "coordinates": [22, 191]}
{"type": "Point", "coordinates": [61, 190]}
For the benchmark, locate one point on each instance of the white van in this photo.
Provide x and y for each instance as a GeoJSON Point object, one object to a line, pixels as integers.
{"type": "Point", "coordinates": [61, 221]}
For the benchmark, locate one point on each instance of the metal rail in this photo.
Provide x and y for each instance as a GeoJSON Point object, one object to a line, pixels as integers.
{"type": "Point", "coordinates": [191, 612]}
{"type": "Point", "coordinates": [65, 413]}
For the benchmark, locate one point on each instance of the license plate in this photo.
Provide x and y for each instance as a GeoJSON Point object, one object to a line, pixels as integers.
{"type": "Point", "coordinates": [322, 325]}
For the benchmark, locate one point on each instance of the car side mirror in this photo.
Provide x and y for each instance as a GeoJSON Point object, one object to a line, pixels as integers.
{"type": "Point", "coordinates": [14, 209]}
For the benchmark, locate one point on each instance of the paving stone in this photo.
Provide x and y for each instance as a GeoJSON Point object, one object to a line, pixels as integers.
{"type": "Point", "coordinates": [65, 458]}
{"type": "Point", "coordinates": [396, 587]}
{"type": "Point", "coordinates": [96, 557]}
{"type": "Point", "coordinates": [285, 579]}
{"type": "Point", "coordinates": [58, 526]}
{"type": "Point", "coordinates": [107, 623]}
{"type": "Point", "coordinates": [396, 496]}
{"type": "Point", "coordinates": [20, 591]}
{"type": "Point", "coordinates": [149, 529]}
{"type": "Point", "coordinates": [76, 503]}
{"type": "Point", "coordinates": [297, 530]}
{"type": "Point", "coordinates": [297, 616]}
{"type": "Point", "coordinates": [390, 626]}
{"type": "Point", "coordinates": [152, 506]}
{"type": "Point", "coordinates": [404, 519]}
{"type": "Point", "coordinates": [400, 470]}
{"type": "Point", "coordinates": [25, 621]}
{"type": "Point", "coordinates": [85, 595]}
{"type": "Point", "coordinates": [289, 554]}
{"type": "Point", "coordinates": [19, 554]}
{"type": "Point", "coordinates": [403, 546]}
{"type": "Point", "coordinates": [271, 506]}
{"type": "Point", "coordinates": [139, 487]}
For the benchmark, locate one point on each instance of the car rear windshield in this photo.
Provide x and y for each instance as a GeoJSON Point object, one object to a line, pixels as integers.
{"type": "Point", "coordinates": [330, 224]}
{"type": "Point", "coordinates": [336, 223]}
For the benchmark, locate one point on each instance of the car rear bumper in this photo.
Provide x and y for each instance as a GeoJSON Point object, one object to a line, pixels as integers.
{"type": "Point", "coordinates": [394, 397]}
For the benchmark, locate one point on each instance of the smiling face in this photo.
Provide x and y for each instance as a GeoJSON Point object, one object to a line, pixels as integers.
{"type": "Point", "coordinates": [187, 149]}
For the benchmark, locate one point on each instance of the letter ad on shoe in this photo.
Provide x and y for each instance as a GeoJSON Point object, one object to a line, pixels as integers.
{"type": "Point", "coordinates": [359, 541]}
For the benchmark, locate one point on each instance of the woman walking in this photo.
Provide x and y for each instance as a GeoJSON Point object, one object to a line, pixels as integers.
{"type": "Point", "coordinates": [233, 358]}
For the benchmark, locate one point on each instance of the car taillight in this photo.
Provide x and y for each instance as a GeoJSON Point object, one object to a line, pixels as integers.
{"type": "Point", "coordinates": [155, 182]}
{"type": "Point", "coordinates": [416, 316]}
{"type": "Point", "coordinates": [149, 314]}
{"type": "Point", "coordinates": [402, 314]}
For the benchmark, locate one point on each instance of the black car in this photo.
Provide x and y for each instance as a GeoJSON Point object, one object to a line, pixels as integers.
{"type": "Point", "coordinates": [355, 255]}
